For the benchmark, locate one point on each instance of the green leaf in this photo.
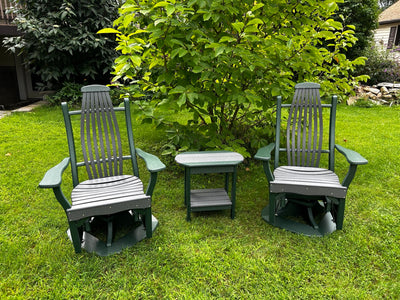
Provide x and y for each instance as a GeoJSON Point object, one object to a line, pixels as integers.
{"type": "Point", "coordinates": [182, 52]}
{"type": "Point", "coordinates": [161, 4]}
{"type": "Point", "coordinates": [182, 100]}
{"type": "Point", "coordinates": [175, 52]}
{"type": "Point", "coordinates": [255, 21]}
{"type": "Point", "coordinates": [137, 61]}
{"type": "Point", "coordinates": [170, 9]}
{"type": "Point", "coordinates": [219, 50]}
{"type": "Point", "coordinates": [177, 90]}
{"type": "Point", "coordinates": [108, 30]}
{"type": "Point", "coordinates": [207, 16]}
{"type": "Point", "coordinates": [275, 91]}
{"type": "Point", "coordinates": [197, 69]}
{"type": "Point", "coordinates": [238, 26]}
{"type": "Point", "coordinates": [227, 38]}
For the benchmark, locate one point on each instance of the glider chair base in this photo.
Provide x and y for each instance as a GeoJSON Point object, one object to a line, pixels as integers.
{"type": "Point", "coordinates": [296, 218]}
{"type": "Point", "coordinates": [126, 232]}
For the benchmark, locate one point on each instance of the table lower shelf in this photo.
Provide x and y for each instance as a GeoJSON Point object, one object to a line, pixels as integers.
{"type": "Point", "coordinates": [209, 199]}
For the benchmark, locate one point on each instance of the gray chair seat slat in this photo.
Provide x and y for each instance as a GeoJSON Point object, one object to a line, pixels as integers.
{"type": "Point", "coordinates": [108, 182]}
{"type": "Point", "coordinates": [106, 196]}
{"type": "Point", "coordinates": [307, 181]}
{"type": "Point", "coordinates": [80, 199]}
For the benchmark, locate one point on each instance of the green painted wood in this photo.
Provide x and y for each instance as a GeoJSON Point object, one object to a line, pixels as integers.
{"type": "Point", "coordinates": [207, 162]}
{"type": "Point", "coordinates": [352, 157]}
{"type": "Point", "coordinates": [108, 191]}
{"type": "Point", "coordinates": [153, 163]}
{"type": "Point", "coordinates": [303, 186]}
{"type": "Point", "coordinates": [53, 176]}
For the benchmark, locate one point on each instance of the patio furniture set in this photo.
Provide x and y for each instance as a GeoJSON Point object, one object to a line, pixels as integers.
{"type": "Point", "coordinates": [113, 199]}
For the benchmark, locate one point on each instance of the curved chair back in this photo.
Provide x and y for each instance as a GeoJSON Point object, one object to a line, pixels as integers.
{"type": "Point", "coordinates": [100, 137]}
{"type": "Point", "coordinates": [304, 131]}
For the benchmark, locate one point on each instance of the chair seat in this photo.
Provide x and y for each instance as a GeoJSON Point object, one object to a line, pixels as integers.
{"type": "Point", "coordinates": [307, 181]}
{"type": "Point", "coordinates": [106, 196]}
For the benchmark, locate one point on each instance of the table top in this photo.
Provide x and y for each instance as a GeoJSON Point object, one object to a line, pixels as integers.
{"type": "Point", "coordinates": [209, 158]}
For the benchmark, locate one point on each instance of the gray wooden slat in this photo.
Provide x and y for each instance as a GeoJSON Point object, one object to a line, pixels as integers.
{"type": "Point", "coordinates": [116, 138]}
{"type": "Point", "coordinates": [310, 129]}
{"type": "Point", "coordinates": [209, 198]}
{"type": "Point", "coordinates": [307, 181]}
{"type": "Point", "coordinates": [100, 137]}
{"type": "Point", "coordinates": [111, 196]}
{"type": "Point", "coordinates": [107, 195]}
{"type": "Point", "coordinates": [107, 132]}
{"type": "Point", "coordinates": [85, 126]}
{"type": "Point", "coordinates": [108, 207]}
{"type": "Point", "coordinates": [304, 127]}
{"type": "Point", "coordinates": [102, 127]}
{"type": "Point", "coordinates": [314, 138]}
{"type": "Point", "coordinates": [208, 158]}
{"type": "Point", "coordinates": [321, 130]}
{"type": "Point", "coordinates": [96, 132]}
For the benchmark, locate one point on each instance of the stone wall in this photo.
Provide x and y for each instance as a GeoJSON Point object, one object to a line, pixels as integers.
{"type": "Point", "coordinates": [384, 93]}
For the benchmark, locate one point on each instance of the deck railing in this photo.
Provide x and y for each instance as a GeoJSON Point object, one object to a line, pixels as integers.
{"type": "Point", "coordinates": [6, 16]}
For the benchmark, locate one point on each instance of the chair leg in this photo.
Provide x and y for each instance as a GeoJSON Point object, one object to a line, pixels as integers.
{"type": "Point", "coordinates": [109, 232]}
{"type": "Point", "coordinates": [272, 207]}
{"type": "Point", "coordinates": [340, 214]}
{"type": "Point", "coordinates": [75, 236]}
{"type": "Point", "coordinates": [148, 222]}
{"type": "Point", "coordinates": [311, 218]}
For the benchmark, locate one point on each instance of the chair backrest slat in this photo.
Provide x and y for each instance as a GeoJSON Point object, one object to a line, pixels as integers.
{"type": "Point", "coordinates": [100, 138]}
{"type": "Point", "coordinates": [305, 127]}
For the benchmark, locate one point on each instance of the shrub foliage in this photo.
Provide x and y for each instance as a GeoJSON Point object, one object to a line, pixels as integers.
{"type": "Point", "coordinates": [224, 61]}
{"type": "Point", "coordinates": [380, 66]}
{"type": "Point", "coordinates": [59, 40]}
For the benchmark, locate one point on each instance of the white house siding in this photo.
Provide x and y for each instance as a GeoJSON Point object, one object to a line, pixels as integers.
{"type": "Point", "coordinates": [381, 38]}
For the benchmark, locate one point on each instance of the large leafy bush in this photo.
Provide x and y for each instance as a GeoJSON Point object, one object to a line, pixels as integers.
{"type": "Point", "coordinates": [381, 65]}
{"type": "Point", "coordinates": [59, 39]}
{"type": "Point", "coordinates": [224, 61]}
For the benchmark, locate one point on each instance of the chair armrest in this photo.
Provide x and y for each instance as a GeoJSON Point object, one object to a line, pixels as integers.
{"type": "Point", "coordinates": [354, 160]}
{"type": "Point", "coordinates": [264, 153]}
{"type": "Point", "coordinates": [53, 177]}
{"type": "Point", "coordinates": [153, 163]}
{"type": "Point", "coordinates": [352, 157]}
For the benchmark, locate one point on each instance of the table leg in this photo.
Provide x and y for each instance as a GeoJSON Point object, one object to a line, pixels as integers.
{"type": "Point", "coordinates": [227, 182]}
{"type": "Point", "coordinates": [187, 192]}
{"type": "Point", "coordinates": [233, 193]}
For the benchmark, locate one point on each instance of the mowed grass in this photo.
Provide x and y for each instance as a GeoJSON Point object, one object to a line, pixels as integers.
{"type": "Point", "coordinates": [212, 256]}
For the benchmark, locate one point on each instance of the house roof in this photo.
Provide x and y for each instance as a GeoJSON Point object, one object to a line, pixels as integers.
{"type": "Point", "coordinates": [391, 14]}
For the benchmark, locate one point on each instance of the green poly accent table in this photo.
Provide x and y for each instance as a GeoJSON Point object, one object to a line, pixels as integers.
{"type": "Point", "coordinates": [206, 162]}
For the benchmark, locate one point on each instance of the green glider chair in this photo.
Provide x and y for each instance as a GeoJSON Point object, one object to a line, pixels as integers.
{"type": "Point", "coordinates": [109, 200]}
{"type": "Point", "coordinates": [303, 197]}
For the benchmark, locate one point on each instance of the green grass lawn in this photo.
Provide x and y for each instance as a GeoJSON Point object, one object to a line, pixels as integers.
{"type": "Point", "coordinates": [212, 256]}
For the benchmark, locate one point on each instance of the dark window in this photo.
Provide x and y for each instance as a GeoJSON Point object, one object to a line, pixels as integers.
{"type": "Point", "coordinates": [392, 35]}
{"type": "Point", "coordinates": [396, 41]}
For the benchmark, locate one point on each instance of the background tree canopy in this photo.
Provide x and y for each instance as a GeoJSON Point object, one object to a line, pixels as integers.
{"type": "Point", "coordinates": [224, 61]}
{"type": "Point", "coordinates": [363, 14]}
{"type": "Point", "coordinates": [59, 40]}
